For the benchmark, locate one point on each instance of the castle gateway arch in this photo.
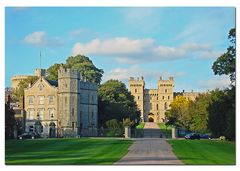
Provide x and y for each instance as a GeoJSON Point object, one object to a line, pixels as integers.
{"type": "Point", "coordinates": [152, 103]}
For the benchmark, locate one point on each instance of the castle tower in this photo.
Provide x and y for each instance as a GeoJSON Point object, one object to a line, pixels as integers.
{"type": "Point", "coordinates": [165, 96]}
{"type": "Point", "coordinates": [136, 87]}
{"type": "Point", "coordinates": [68, 98]}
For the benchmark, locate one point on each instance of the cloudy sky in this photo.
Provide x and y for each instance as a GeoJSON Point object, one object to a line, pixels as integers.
{"type": "Point", "coordinates": [124, 42]}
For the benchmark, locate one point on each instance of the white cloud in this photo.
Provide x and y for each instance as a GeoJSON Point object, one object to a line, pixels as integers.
{"type": "Point", "coordinates": [36, 38]}
{"type": "Point", "coordinates": [40, 38]}
{"type": "Point", "coordinates": [126, 50]}
{"type": "Point", "coordinates": [116, 46]}
{"type": "Point", "coordinates": [123, 74]}
{"type": "Point", "coordinates": [215, 82]}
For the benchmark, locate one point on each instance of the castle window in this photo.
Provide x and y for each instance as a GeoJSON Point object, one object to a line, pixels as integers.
{"type": "Point", "coordinates": [72, 125]}
{"type": "Point", "coordinates": [51, 113]}
{"type": "Point", "coordinates": [165, 106]}
{"type": "Point", "coordinates": [72, 111]}
{"type": "Point", "coordinates": [168, 97]}
{"type": "Point", "coordinates": [31, 114]}
{"type": "Point", "coordinates": [30, 99]}
{"type": "Point", "coordinates": [65, 100]}
{"type": "Point", "coordinates": [41, 100]}
{"type": "Point", "coordinates": [163, 97]}
{"type": "Point", "coordinates": [138, 97]}
{"type": "Point", "coordinates": [40, 87]}
{"type": "Point", "coordinates": [135, 90]}
{"type": "Point", "coordinates": [165, 90]}
{"type": "Point", "coordinates": [41, 113]}
{"type": "Point", "coordinates": [157, 106]}
{"type": "Point", "coordinates": [50, 99]}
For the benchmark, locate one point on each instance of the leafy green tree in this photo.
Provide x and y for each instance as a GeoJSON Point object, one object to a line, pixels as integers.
{"type": "Point", "coordinates": [115, 128]}
{"type": "Point", "coordinates": [178, 114]}
{"type": "Point", "coordinates": [226, 63]}
{"type": "Point", "coordinates": [222, 114]}
{"type": "Point", "coordinates": [127, 122]}
{"type": "Point", "coordinates": [52, 73]}
{"type": "Point", "coordinates": [198, 111]}
{"type": "Point", "coordinates": [116, 102]}
{"type": "Point", "coordinates": [81, 63]}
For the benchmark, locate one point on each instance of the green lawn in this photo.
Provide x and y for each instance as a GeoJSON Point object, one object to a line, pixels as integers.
{"type": "Point", "coordinates": [140, 126]}
{"type": "Point", "coordinates": [166, 130]}
{"type": "Point", "coordinates": [65, 151]}
{"type": "Point", "coordinates": [204, 151]}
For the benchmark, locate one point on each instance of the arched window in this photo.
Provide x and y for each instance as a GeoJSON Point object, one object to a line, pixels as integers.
{"type": "Point", "coordinates": [135, 90]}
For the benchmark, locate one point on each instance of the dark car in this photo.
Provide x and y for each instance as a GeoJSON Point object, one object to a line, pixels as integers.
{"type": "Point", "coordinates": [192, 136]}
{"type": "Point", "coordinates": [205, 136]}
{"type": "Point", "coordinates": [28, 135]}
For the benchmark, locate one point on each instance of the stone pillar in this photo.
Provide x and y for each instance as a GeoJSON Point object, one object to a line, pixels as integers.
{"type": "Point", "coordinates": [174, 132]}
{"type": "Point", "coordinates": [127, 132]}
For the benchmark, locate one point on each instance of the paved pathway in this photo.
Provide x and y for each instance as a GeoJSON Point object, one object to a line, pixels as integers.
{"type": "Point", "coordinates": [152, 130]}
{"type": "Point", "coordinates": [152, 150]}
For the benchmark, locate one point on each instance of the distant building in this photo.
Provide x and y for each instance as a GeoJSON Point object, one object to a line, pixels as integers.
{"type": "Point", "coordinates": [15, 80]}
{"type": "Point", "coordinates": [188, 95]}
{"type": "Point", "coordinates": [63, 107]}
{"type": "Point", "coordinates": [152, 103]}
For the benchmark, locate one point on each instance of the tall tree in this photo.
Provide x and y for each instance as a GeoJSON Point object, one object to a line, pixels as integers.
{"type": "Point", "coordinates": [10, 122]}
{"type": "Point", "coordinates": [178, 114]}
{"type": "Point", "coordinates": [198, 110]}
{"type": "Point", "coordinates": [116, 102]}
{"type": "Point", "coordinates": [81, 63]}
{"type": "Point", "coordinates": [52, 72]}
{"type": "Point", "coordinates": [226, 63]}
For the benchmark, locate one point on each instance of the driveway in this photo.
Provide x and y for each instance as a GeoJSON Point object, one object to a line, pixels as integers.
{"type": "Point", "coordinates": [150, 150]}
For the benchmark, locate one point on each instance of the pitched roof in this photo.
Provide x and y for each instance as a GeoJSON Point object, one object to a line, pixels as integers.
{"type": "Point", "coordinates": [53, 82]}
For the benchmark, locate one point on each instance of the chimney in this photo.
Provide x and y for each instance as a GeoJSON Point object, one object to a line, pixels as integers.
{"type": "Point", "coordinates": [160, 78]}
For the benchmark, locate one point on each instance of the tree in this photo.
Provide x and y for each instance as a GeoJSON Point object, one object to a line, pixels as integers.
{"type": "Point", "coordinates": [10, 122]}
{"type": "Point", "coordinates": [198, 111]}
{"type": "Point", "coordinates": [81, 63]}
{"type": "Point", "coordinates": [226, 63]}
{"type": "Point", "coordinates": [116, 102]}
{"type": "Point", "coordinates": [222, 114]}
{"type": "Point", "coordinates": [52, 72]}
{"type": "Point", "coordinates": [115, 128]}
{"type": "Point", "coordinates": [178, 114]}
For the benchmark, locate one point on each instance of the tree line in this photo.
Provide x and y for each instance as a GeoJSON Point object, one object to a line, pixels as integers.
{"type": "Point", "coordinates": [212, 111]}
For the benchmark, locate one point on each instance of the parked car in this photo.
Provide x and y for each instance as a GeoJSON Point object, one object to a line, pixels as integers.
{"type": "Point", "coordinates": [205, 136]}
{"type": "Point", "coordinates": [192, 136]}
{"type": "Point", "coordinates": [28, 135]}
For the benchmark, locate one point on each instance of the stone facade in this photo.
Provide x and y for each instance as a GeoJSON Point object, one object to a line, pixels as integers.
{"type": "Point", "coordinates": [152, 103]}
{"type": "Point", "coordinates": [69, 104]}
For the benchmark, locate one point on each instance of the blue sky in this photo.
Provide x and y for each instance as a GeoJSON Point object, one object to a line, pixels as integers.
{"type": "Point", "coordinates": [124, 42]}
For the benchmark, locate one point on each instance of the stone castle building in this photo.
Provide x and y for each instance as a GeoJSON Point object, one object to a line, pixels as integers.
{"type": "Point", "coordinates": [15, 80]}
{"type": "Point", "coordinates": [152, 103]}
{"type": "Point", "coordinates": [66, 106]}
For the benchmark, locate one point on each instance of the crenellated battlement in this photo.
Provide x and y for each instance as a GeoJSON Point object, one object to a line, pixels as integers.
{"type": "Point", "coordinates": [67, 72]}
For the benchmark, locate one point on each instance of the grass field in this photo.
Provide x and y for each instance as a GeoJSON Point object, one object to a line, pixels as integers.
{"type": "Point", "coordinates": [204, 151]}
{"type": "Point", "coordinates": [140, 126]}
{"type": "Point", "coordinates": [65, 151]}
{"type": "Point", "coordinates": [167, 131]}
